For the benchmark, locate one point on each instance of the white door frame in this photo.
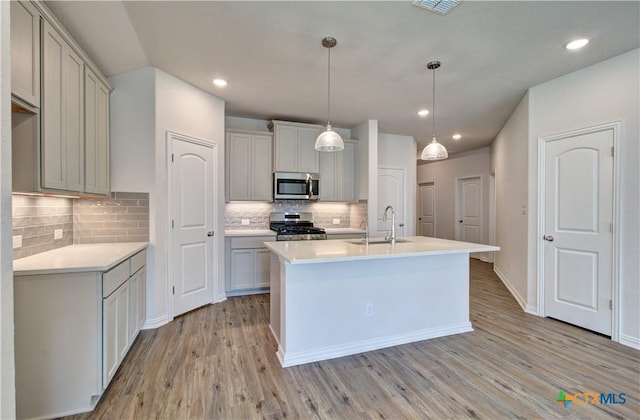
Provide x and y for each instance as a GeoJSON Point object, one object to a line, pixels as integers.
{"type": "Point", "coordinates": [435, 207]}
{"type": "Point", "coordinates": [615, 257]}
{"type": "Point", "coordinates": [492, 215]}
{"type": "Point", "coordinates": [170, 136]}
{"type": "Point", "coordinates": [457, 231]}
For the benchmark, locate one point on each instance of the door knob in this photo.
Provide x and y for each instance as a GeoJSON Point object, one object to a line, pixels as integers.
{"type": "Point", "coordinates": [460, 221]}
{"type": "Point", "coordinates": [548, 238]}
{"type": "Point", "coordinates": [419, 218]}
{"type": "Point", "coordinates": [210, 233]}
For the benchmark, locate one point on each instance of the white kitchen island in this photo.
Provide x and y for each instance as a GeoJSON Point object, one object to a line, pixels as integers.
{"type": "Point", "coordinates": [335, 298]}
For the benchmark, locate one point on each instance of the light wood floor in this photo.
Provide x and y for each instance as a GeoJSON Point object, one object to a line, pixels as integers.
{"type": "Point", "coordinates": [219, 363]}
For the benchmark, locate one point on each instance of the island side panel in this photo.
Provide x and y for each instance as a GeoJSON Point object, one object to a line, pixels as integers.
{"type": "Point", "coordinates": [274, 298]}
{"type": "Point", "coordinates": [339, 308]}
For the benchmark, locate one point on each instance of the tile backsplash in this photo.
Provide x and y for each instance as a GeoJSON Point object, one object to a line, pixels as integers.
{"type": "Point", "coordinates": [122, 217]}
{"type": "Point", "coordinates": [36, 219]}
{"type": "Point", "coordinates": [349, 214]}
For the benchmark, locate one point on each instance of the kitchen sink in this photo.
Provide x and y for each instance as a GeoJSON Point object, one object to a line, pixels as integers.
{"type": "Point", "coordinates": [376, 241]}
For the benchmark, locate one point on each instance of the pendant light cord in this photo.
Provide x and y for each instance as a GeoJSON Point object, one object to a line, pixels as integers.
{"type": "Point", "coordinates": [329, 88]}
{"type": "Point", "coordinates": [433, 113]}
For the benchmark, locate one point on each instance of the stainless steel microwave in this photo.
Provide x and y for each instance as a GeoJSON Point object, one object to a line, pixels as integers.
{"type": "Point", "coordinates": [295, 186]}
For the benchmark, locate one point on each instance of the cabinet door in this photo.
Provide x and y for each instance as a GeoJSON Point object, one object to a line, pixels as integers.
{"type": "Point", "coordinates": [96, 138]}
{"type": "Point", "coordinates": [262, 178]}
{"type": "Point", "coordinates": [25, 52]}
{"type": "Point", "coordinates": [347, 174]}
{"type": "Point", "coordinates": [262, 275]}
{"type": "Point", "coordinates": [115, 331]}
{"type": "Point", "coordinates": [73, 94]}
{"type": "Point", "coordinates": [242, 270]}
{"type": "Point", "coordinates": [328, 179]}
{"type": "Point", "coordinates": [239, 166]}
{"type": "Point", "coordinates": [285, 143]}
{"type": "Point", "coordinates": [137, 303]}
{"type": "Point", "coordinates": [62, 114]}
{"type": "Point", "coordinates": [308, 157]}
{"type": "Point", "coordinates": [53, 147]}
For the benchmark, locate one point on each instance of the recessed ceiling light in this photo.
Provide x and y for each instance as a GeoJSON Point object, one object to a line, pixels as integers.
{"type": "Point", "coordinates": [577, 44]}
{"type": "Point", "coordinates": [456, 136]}
{"type": "Point", "coordinates": [423, 112]}
{"type": "Point", "coordinates": [220, 82]}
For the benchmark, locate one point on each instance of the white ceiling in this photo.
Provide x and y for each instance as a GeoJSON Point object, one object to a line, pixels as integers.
{"type": "Point", "coordinates": [271, 55]}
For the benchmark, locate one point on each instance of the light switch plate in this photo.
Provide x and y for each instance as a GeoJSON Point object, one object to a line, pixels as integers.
{"type": "Point", "coordinates": [246, 222]}
{"type": "Point", "coordinates": [57, 234]}
{"type": "Point", "coordinates": [17, 241]}
{"type": "Point", "coordinates": [336, 221]}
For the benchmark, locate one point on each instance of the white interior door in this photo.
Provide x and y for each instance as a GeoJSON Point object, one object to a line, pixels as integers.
{"type": "Point", "coordinates": [390, 192]}
{"type": "Point", "coordinates": [192, 207]}
{"type": "Point", "coordinates": [427, 209]}
{"type": "Point", "coordinates": [578, 242]}
{"type": "Point", "coordinates": [469, 210]}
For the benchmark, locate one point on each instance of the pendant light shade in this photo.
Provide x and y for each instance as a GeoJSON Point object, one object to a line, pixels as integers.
{"type": "Point", "coordinates": [434, 150]}
{"type": "Point", "coordinates": [329, 140]}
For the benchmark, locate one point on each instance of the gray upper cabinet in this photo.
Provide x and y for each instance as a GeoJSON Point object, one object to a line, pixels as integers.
{"type": "Point", "coordinates": [62, 114]}
{"type": "Point", "coordinates": [338, 174]}
{"type": "Point", "coordinates": [294, 147]}
{"type": "Point", "coordinates": [25, 52]}
{"type": "Point", "coordinates": [248, 166]}
{"type": "Point", "coordinates": [60, 108]}
{"type": "Point", "coordinates": [96, 128]}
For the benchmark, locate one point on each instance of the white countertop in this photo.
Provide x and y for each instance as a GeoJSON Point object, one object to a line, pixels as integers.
{"type": "Point", "coordinates": [77, 258]}
{"type": "Point", "coordinates": [249, 232]}
{"type": "Point", "coordinates": [309, 252]}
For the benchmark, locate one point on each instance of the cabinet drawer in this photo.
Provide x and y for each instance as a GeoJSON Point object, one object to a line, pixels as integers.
{"type": "Point", "coordinates": [113, 278]}
{"type": "Point", "coordinates": [138, 261]}
{"type": "Point", "coordinates": [251, 242]}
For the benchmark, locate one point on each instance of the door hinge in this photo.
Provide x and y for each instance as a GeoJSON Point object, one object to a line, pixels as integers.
{"type": "Point", "coordinates": [172, 224]}
{"type": "Point", "coordinates": [173, 290]}
{"type": "Point", "coordinates": [612, 152]}
{"type": "Point", "coordinates": [610, 304]}
{"type": "Point", "coordinates": [611, 227]}
{"type": "Point", "coordinates": [172, 157]}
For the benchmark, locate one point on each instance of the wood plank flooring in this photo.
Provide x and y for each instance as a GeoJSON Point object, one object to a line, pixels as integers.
{"type": "Point", "coordinates": [219, 362]}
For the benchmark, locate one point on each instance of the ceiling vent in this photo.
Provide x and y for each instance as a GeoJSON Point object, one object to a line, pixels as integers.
{"type": "Point", "coordinates": [439, 6]}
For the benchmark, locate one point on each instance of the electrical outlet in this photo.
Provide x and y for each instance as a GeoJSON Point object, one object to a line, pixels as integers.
{"type": "Point", "coordinates": [336, 221]}
{"type": "Point", "coordinates": [17, 241]}
{"type": "Point", "coordinates": [57, 234]}
{"type": "Point", "coordinates": [245, 222]}
{"type": "Point", "coordinates": [368, 309]}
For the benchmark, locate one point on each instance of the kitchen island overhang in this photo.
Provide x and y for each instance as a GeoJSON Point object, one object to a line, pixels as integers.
{"type": "Point", "coordinates": [336, 298]}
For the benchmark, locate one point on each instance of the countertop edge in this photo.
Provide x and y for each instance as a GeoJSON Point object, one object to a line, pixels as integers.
{"type": "Point", "coordinates": [44, 271]}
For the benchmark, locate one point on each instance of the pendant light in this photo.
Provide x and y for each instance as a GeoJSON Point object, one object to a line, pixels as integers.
{"type": "Point", "coordinates": [434, 150]}
{"type": "Point", "coordinates": [329, 140]}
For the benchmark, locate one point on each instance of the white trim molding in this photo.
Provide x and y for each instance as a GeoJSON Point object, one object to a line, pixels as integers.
{"type": "Point", "coordinates": [521, 301]}
{"type": "Point", "coordinates": [627, 340]}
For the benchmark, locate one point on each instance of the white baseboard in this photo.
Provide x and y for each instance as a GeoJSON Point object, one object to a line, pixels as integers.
{"type": "Point", "coordinates": [521, 301]}
{"type": "Point", "coordinates": [630, 341]}
{"type": "Point", "coordinates": [331, 352]}
{"type": "Point", "coordinates": [150, 324]}
{"type": "Point", "coordinates": [220, 298]}
{"type": "Point", "coordinates": [531, 309]}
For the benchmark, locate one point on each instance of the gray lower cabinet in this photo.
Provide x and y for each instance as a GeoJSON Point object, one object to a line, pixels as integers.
{"type": "Point", "coordinates": [72, 331]}
{"type": "Point", "coordinates": [247, 262]}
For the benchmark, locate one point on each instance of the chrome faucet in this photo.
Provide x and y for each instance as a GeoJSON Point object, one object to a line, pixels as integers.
{"type": "Point", "coordinates": [365, 223]}
{"type": "Point", "coordinates": [393, 223]}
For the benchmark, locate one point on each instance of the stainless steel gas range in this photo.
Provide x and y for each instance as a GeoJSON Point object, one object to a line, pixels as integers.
{"type": "Point", "coordinates": [295, 226]}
